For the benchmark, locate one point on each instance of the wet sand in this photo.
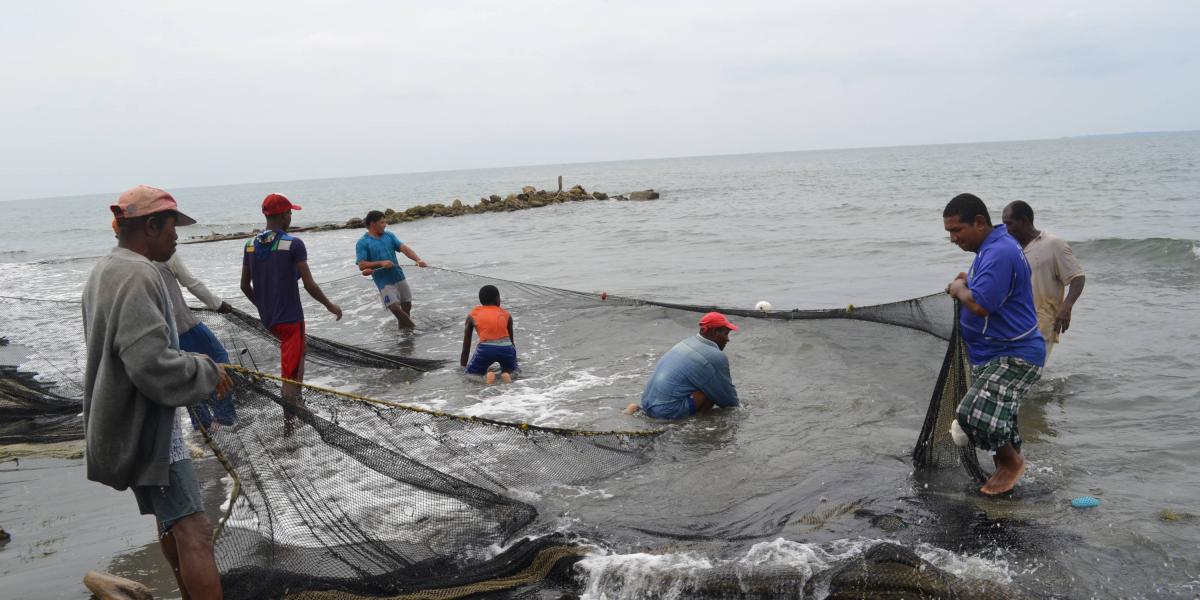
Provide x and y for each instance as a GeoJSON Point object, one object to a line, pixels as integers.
{"type": "Point", "coordinates": [63, 525]}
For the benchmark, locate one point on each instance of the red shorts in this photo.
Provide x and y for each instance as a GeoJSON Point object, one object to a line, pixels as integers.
{"type": "Point", "coordinates": [291, 349]}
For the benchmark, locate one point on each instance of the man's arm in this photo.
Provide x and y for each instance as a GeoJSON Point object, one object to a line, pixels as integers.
{"type": "Point", "coordinates": [958, 290]}
{"type": "Point", "coordinates": [161, 373]}
{"type": "Point", "coordinates": [409, 252]}
{"type": "Point", "coordinates": [1062, 320]}
{"type": "Point", "coordinates": [512, 338]}
{"type": "Point", "coordinates": [375, 264]}
{"type": "Point", "coordinates": [314, 290]}
{"type": "Point", "coordinates": [193, 285]}
{"type": "Point", "coordinates": [720, 388]}
{"type": "Point", "coordinates": [248, 285]}
{"type": "Point", "coordinates": [466, 351]}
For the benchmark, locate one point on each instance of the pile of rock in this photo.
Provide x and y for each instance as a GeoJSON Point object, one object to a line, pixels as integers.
{"type": "Point", "coordinates": [529, 197]}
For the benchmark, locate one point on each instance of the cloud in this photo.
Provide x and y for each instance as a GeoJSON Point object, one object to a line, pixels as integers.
{"type": "Point", "coordinates": [98, 95]}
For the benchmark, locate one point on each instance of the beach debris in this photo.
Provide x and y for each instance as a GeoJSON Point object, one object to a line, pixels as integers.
{"type": "Point", "coordinates": [763, 306]}
{"type": "Point", "coordinates": [110, 587]}
{"type": "Point", "coordinates": [1085, 502]}
{"type": "Point", "coordinates": [649, 194]}
{"type": "Point", "coordinates": [529, 197]}
{"type": "Point", "coordinates": [4, 536]}
{"type": "Point", "coordinates": [1169, 514]}
{"type": "Point", "coordinates": [3, 342]}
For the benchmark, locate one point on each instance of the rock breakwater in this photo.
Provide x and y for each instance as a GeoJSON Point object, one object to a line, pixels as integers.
{"type": "Point", "coordinates": [528, 197]}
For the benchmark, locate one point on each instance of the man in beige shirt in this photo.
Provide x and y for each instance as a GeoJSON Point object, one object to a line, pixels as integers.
{"type": "Point", "coordinates": [1054, 269]}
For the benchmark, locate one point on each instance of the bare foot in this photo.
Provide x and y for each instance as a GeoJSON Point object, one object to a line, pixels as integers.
{"type": "Point", "coordinates": [491, 377]}
{"type": "Point", "coordinates": [631, 409]}
{"type": "Point", "coordinates": [1008, 472]}
{"type": "Point", "coordinates": [506, 378]}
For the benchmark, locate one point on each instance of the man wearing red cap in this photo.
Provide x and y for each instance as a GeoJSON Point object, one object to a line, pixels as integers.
{"type": "Point", "coordinates": [693, 376]}
{"type": "Point", "coordinates": [271, 263]}
{"type": "Point", "coordinates": [135, 380]}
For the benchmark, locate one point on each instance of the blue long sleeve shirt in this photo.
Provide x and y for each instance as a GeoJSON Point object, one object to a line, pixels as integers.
{"type": "Point", "coordinates": [693, 364]}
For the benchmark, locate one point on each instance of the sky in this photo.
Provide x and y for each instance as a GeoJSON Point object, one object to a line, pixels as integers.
{"type": "Point", "coordinates": [101, 94]}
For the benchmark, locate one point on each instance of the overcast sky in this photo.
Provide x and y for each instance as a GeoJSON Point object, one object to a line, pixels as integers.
{"type": "Point", "coordinates": [96, 97]}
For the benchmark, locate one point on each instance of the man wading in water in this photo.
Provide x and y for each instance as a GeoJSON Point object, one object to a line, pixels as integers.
{"type": "Point", "coordinates": [1054, 269]}
{"type": "Point", "coordinates": [135, 379]}
{"type": "Point", "coordinates": [1000, 328]}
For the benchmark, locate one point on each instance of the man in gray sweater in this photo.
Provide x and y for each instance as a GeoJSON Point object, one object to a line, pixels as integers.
{"type": "Point", "coordinates": [135, 380]}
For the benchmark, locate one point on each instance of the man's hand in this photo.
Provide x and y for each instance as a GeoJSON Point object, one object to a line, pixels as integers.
{"type": "Point", "coordinates": [336, 310]}
{"type": "Point", "coordinates": [462, 361]}
{"type": "Point", "coordinates": [224, 383]}
{"type": "Point", "coordinates": [225, 308]}
{"type": "Point", "coordinates": [367, 272]}
{"type": "Point", "coordinates": [422, 264]}
{"type": "Point", "coordinates": [956, 287]}
{"type": "Point", "coordinates": [960, 277]}
{"type": "Point", "coordinates": [1062, 320]}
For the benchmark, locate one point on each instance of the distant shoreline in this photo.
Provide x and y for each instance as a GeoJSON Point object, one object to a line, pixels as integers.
{"type": "Point", "coordinates": [528, 197]}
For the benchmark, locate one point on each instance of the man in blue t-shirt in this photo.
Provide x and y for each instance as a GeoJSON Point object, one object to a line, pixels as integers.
{"type": "Point", "coordinates": [272, 261]}
{"type": "Point", "coordinates": [375, 254]}
{"type": "Point", "coordinates": [999, 326]}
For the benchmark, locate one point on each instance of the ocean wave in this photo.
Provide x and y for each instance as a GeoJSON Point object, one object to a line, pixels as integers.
{"type": "Point", "coordinates": [1150, 251]}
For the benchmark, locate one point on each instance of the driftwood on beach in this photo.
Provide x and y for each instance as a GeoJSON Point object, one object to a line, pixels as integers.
{"type": "Point", "coordinates": [529, 197]}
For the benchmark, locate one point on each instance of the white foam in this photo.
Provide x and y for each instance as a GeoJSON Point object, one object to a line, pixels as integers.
{"type": "Point", "coordinates": [674, 576]}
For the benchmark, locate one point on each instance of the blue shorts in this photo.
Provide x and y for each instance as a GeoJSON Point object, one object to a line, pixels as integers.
{"type": "Point", "coordinates": [488, 354]}
{"type": "Point", "coordinates": [171, 503]}
{"type": "Point", "coordinates": [200, 339]}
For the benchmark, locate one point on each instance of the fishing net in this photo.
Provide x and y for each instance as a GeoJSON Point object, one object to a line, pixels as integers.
{"type": "Point", "coordinates": [337, 493]}
{"type": "Point", "coordinates": [31, 412]}
{"type": "Point", "coordinates": [320, 350]}
{"type": "Point", "coordinates": [344, 495]}
{"type": "Point", "coordinates": [935, 449]}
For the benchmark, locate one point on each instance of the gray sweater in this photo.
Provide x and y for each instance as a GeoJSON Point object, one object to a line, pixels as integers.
{"type": "Point", "coordinates": [135, 375]}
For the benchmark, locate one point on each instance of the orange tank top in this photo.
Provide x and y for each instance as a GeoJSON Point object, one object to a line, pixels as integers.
{"type": "Point", "coordinates": [491, 322]}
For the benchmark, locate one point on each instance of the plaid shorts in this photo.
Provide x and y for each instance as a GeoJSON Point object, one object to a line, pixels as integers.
{"type": "Point", "coordinates": [988, 411]}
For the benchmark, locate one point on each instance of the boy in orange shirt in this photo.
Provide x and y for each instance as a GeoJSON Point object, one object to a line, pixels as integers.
{"type": "Point", "coordinates": [495, 328]}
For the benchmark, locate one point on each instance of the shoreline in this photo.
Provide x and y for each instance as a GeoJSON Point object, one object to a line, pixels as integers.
{"type": "Point", "coordinates": [528, 197]}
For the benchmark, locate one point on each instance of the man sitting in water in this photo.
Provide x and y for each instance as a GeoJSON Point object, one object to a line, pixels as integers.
{"type": "Point", "coordinates": [1000, 328]}
{"type": "Point", "coordinates": [375, 254]}
{"type": "Point", "coordinates": [693, 376]}
{"type": "Point", "coordinates": [1054, 269]}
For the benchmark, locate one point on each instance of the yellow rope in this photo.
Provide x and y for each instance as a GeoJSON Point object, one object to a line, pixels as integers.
{"type": "Point", "coordinates": [443, 414]}
{"type": "Point", "coordinates": [536, 571]}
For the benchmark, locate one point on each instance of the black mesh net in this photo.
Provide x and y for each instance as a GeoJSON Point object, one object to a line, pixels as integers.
{"type": "Point", "coordinates": [341, 495]}
{"type": "Point", "coordinates": [250, 330]}
{"type": "Point", "coordinates": [935, 448]}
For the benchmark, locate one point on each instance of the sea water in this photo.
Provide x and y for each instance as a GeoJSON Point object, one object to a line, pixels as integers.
{"type": "Point", "coordinates": [1114, 416]}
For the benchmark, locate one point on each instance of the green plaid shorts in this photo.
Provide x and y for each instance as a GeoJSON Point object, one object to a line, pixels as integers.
{"type": "Point", "coordinates": [988, 411]}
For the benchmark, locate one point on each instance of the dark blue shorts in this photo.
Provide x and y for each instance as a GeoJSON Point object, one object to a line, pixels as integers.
{"type": "Point", "coordinates": [200, 339]}
{"type": "Point", "coordinates": [488, 354]}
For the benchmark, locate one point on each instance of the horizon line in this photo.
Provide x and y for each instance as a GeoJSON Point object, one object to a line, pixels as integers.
{"type": "Point", "coordinates": [621, 160]}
